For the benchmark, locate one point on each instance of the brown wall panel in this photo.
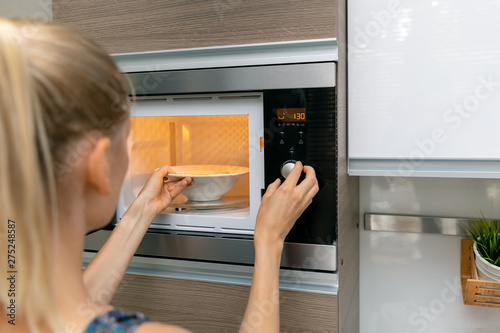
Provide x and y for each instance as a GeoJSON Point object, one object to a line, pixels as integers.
{"type": "Point", "coordinates": [213, 307]}
{"type": "Point", "coordinates": [147, 25]}
{"type": "Point", "coordinates": [348, 196]}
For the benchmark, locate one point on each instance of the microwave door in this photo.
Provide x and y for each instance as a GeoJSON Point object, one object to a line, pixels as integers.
{"type": "Point", "coordinates": [200, 134]}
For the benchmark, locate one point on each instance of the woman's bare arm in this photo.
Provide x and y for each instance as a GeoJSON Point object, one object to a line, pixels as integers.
{"type": "Point", "coordinates": [281, 207]}
{"type": "Point", "coordinates": [104, 273]}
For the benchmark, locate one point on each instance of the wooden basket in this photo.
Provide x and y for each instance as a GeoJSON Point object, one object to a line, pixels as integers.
{"type": "Point", "coordinates": [474, 291]}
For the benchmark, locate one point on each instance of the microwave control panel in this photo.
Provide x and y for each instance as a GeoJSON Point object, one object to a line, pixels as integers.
{"type": "Point", "coordinates": [300, 125]}
{"type": "Point", "coordinates": [285, 134]}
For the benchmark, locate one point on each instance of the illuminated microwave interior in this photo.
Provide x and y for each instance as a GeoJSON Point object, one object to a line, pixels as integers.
{"type": "Point", "coordinates": [190, 140]}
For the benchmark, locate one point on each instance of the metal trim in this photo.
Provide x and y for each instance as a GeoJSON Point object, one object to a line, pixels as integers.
{"type": "Point", "coordinates": [256, 78]}
{"type": "Point", "coordinates": [453, 226]}
{"type": "Point", "coordinates": [223, 250]}
{"type": "Point", "coordinates": [288, 52]}
{"type": "Point", "coordinates": [442, 168]}
{"type": "Point", "coordinates": [304, 281]}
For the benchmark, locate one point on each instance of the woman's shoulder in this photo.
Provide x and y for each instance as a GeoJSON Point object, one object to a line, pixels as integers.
{"type": "Point", "coordinates": [117, 320]}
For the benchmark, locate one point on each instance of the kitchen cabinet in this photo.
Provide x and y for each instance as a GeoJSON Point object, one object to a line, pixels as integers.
{"type": "Point", "coordinates": [424, 81]}
{"type": "Point", "coordinates": [410, 282]}
{"type": "Point", "coordinates": [137, 26]}
{"type": "Point", "coordinates": [214, 307]}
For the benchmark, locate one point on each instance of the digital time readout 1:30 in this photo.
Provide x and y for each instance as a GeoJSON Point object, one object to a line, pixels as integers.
{"type": "Point", "coordinates": [286, 115]}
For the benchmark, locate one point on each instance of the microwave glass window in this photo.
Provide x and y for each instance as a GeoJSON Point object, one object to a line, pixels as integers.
{"type": "Point", "coordinates": [189, 141]}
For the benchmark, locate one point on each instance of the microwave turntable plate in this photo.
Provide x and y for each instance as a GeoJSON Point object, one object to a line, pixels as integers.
{"type": "Point", "coordinates": [181, 202]}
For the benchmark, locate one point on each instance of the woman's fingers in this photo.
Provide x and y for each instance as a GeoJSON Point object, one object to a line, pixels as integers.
{"type": "Point", "coordinates": [309, 185]}
{"type": "Point", "coordinates": [282, 205]}
{"type": "Point", "coordinates": [161, 173]}
{"type": "Point", "coordinates": [171, 171]}
{"type": "Point", "coordinates": [166, 170]}
{"type": "Point", "coordinates": [310, 179]}
{"type": "Point", "coordinates": [273, 187]}
{"type": "Point", "coordinates": [294, 175]}
{"type": "Point", "coordinates": [176, 187]}
{"type": "Point", "coordinates": [306, 190]}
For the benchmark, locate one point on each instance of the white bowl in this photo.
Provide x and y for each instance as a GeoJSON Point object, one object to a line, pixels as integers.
{"type": "Point", "coordinates": [211, 182]}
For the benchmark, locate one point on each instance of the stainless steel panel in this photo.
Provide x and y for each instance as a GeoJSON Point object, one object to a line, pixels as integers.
{"type": "Point", "coordinates": [442, 168]}
{"type": "Point", "coordinates": [214, 248]}
{"type": "Point", "coordinates": [277, 53]}
{"type": "Point", "coordinates": [313, 75]}
{"type": "Point", "coordinates": [418, 224]}
{"type": "Point", "coordinates": [225, 250]}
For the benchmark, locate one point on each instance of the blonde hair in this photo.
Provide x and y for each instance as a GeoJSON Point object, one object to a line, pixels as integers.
{"type": "Point", "coordinates": [55, 86]}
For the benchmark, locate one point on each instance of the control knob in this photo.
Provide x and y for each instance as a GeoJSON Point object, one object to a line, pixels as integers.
{"type": "Point", "coordinates": [287, 167]}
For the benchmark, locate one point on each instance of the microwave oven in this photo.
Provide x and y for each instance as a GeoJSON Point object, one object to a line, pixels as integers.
{"type": "Point", "coordinates": [258, 118]}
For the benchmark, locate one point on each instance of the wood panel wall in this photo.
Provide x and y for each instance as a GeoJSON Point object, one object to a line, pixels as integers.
{"type": "Point", "coordinates": [147, 25]}
{"type": "Point", "coordinates": [219, 308]}
{"type": "Point", "coordinates": [348, 196]}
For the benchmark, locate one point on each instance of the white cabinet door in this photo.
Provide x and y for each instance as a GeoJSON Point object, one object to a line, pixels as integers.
{"type": "Point", "coordinates": [424, 88]}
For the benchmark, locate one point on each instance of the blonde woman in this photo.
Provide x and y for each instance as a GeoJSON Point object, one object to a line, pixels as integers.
{"type": "Point", "coordinates": [64, 122]}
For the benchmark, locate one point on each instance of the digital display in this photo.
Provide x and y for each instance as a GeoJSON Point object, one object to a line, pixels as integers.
{"type": "Point", "coordinates": [287, 115]}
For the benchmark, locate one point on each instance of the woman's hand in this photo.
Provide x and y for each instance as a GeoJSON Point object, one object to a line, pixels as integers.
{"type": "Point", "coordinates": [156, 194]}
{"type": "Point", "coordinates": [282, 205]}
{"type": "Point", "coordinates": [108, 267]}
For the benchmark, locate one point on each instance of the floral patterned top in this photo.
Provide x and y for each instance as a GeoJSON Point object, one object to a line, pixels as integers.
{"type": "Point", "coordinates": [116, 321]}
